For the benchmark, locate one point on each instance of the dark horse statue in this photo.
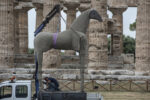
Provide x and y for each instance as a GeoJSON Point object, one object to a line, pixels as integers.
{"type": "Point", "coordinates": [66, 40]}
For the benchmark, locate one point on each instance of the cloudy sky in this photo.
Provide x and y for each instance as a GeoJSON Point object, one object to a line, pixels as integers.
{"type": "Point", "coordinates": [129, 16]}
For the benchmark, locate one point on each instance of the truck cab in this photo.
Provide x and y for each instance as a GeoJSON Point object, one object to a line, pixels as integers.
{"type": "Point", "coordinates": [22, 90]}
{"type": "Point", "coordinates": [15, 90]}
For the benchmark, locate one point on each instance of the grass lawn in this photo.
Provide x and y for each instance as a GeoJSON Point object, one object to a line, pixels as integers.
{"type": "Point", "coordinates": [126, 95]}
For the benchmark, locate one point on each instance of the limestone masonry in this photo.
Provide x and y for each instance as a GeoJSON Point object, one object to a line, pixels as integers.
{"type": "Point", "coordinates": [14, 38]}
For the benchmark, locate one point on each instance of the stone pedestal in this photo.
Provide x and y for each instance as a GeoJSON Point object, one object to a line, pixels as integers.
{"type": "Point", "coordinates": [6, 33]}
{"type": "Point", "coordinates": [98, 58]}
{"type": "Point", "coordinates": [71, 16]}
{"type": "Point", "coordinates": [143, 37]}
{"type": "Point", "coordinates": [51, 58]}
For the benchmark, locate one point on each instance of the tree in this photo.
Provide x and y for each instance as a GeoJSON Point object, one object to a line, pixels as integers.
{"type": "Point", "coordinates": [128, 45]}
{"type": "Point", "coordinates": [133, 26]}
{"type": "Point", "coordinates": [30, 51]}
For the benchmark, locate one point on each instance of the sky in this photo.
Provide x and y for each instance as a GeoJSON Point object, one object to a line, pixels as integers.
{"type": "Point", "coordinates": [129, 16]}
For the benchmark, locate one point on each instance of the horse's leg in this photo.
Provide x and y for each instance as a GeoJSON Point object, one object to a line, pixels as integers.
{"type": "Point", "coordinates": [40, 59]}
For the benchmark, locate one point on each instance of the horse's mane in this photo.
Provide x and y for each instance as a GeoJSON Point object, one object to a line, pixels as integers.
{"type": "Point", "coordinates": [79, 19]}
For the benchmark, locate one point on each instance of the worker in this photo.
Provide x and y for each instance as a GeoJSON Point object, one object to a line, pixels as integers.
{"type": "Point", "coordinates": [52, 84]}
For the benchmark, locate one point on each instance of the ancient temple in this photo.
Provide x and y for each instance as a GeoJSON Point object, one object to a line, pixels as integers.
{"type": "Point", "coordinates": [14, 35]}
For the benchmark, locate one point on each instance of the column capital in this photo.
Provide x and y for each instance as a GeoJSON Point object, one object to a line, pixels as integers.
{"type": "Point", "coordinates": [24, 6]}
{"type": "Point", "coordinates": [71, 5]}
{"type": "Point", "coordinates": [84, 6]}
{"type": "Point", "coordinates": [117, 3]}
{"type": "Point", "coordinates": [117, 11]}
{"type": "Point", "coordinates": [38, 3]}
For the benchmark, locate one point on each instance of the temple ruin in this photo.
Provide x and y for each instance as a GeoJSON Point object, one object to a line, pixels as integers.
{"type": "Point", "coordinates": [14, 57]}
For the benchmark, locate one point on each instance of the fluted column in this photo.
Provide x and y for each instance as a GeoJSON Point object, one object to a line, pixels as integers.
{"type": "Point", "coordinates": [117, 41]}
{"type": "Point", "coordinates": [117, 7]}
{"type": "Point", "coordinates": [98, 58]}
{"type": "Point", "coordinates": [16, 49]}
{"type": "Point", "coordinates": [71, 16]}
{"type": "Point", "coordinates": [6, 33]}
{"type": "Point", "coordinates": [39, 11]}
{"type": "Point", "coordinates": [23, 30]}
{"type": "Point", "coordinates": [51, 58]}
{"type": "Point", "coordinates": [143, 37]}
{"type": "Point", "coordinates": [85, 5]}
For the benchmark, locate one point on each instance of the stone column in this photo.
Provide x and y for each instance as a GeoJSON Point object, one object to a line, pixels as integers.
{"type": "Point", "coordinates": [23, 30]}
{"type": "Point", "coordinates": [85, 5]}
{"type": "Point", "coordinates": [16, 31]}
{"type": "Point", "coordinates": [21, 26]}
{"type": "Point", "coordinates": [117, 8]}
{"type": "Point", "coordinates": [51, 58]}
{"type": "Point", "coordinates": [98, 58]}
{"type": "Point", "coordinates": [39, 11]}
{"type": "Point", "coordinates": [71, 16]}
{"type": "Point", "coordinates": [143, 37]}
{"type": "Point", "coordinates": [6, 33]}
{"type": "Point", "coordinates": [117, 42]}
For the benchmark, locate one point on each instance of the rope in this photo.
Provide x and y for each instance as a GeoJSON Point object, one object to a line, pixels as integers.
{"type": "Point", "coordinates": [58, 26]}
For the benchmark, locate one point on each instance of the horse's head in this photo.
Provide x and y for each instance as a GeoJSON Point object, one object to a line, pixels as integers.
{"type": "Point", "coordinates": [95, 15]}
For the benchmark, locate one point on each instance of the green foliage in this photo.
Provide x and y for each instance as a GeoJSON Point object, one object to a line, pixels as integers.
{"type": "Point", "coordinates": [30, 51]}
{"type": "Point", "coordinates": [133, 26]}
{"type": "Point", "coordinates": [128, 44]}
{"type": "Point", "coordinates": [109, 43]}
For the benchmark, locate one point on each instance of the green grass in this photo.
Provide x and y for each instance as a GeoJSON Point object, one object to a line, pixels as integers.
{"type": "Point", "coordinates": [126, 95]}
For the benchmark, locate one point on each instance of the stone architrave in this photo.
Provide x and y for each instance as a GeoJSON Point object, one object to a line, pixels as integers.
{"type": "Point", "coordinates": [7, 33]}
{"type": "Point", "coordinates": [84, 5]}
{"type": "Point", "coordinates": [98, 57]}
{"type": "Point", "coordinates": [51, 58]}
{"type": "Point", "coordinates": [143, 37]}
{"type": "Point", "coordinates": [117, 7]}
{"type": "Point", "coordinates": [71, 16]}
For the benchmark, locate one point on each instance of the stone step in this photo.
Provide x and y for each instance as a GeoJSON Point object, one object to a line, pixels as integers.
{"type": "Point", "coordinates": [70, 59]}
{"type": "Point", "coordinates": [67, 71]}
{"type": "Point", "coordinates": [24, 65]}
{"type": "Point", "coordinates": [24, 58]}
{"type": "Point", "coordinates": [6, 76]}
{"type": "Point", "coordinates": [70, 66]}
{"type": "Point", "coordinates": [111, 72]}
{"type": "Point", "coordinates": [63, 66]}
{"type": "Point", "coordinates": [118, 59]}
{"type": "Point", "coordinates": [115, 66]}
{"type": "Point", "coordinates": [45, 71]}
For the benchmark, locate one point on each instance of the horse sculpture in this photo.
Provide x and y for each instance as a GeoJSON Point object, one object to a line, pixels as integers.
{"type": "Point", "coordinates": [66, 40]}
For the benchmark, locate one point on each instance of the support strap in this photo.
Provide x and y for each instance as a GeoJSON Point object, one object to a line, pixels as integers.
{"type": "Point", "coordinates": [55, 39]}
